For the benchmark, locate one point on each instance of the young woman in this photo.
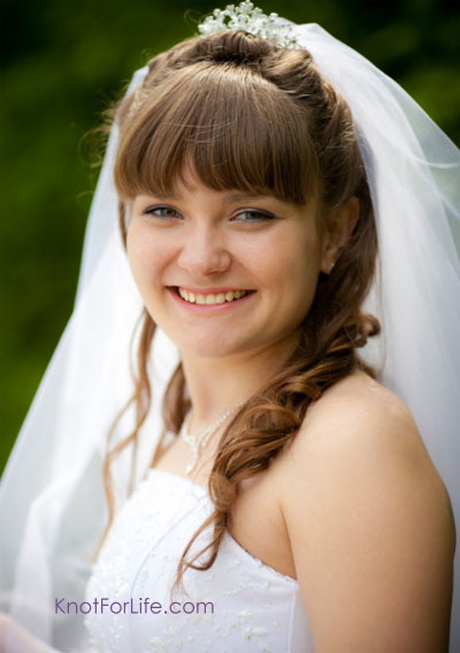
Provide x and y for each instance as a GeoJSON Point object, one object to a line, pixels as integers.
{"type": "Point", "coordinates": [288, 502]}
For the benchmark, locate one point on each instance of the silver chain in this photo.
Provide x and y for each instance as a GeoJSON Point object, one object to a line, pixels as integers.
{"type": "Point", "coordinates": [197, 442]}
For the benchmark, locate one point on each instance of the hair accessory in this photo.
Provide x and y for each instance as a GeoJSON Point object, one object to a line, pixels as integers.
{"type": "Point", "coordinates": [196, 443]}
{"type": "Point", "coordinates": [253, 20]}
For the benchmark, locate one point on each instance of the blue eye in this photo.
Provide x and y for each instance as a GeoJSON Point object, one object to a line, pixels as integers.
{"type": "Point", "coordinates": [254, 215]}
{"type": "Point", "coordinates": [164, 212]}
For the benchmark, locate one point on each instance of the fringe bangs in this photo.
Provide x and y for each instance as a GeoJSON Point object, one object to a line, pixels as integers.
{"type": "Point", "coordinates": [237, 130]}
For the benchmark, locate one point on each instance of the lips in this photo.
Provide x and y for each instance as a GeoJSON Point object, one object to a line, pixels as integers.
{"type": "Point", "coordinates": [210, 299]}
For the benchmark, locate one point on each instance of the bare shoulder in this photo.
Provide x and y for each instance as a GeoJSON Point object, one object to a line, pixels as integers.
{"type": "Point", "coordinates": [359, 436]}
{"type": "Point", "coordinates": [369, 523]}
{"type": "Point", "coordinates": [362, 422]}
{"type": "Point", "coordinates": [360, 401]}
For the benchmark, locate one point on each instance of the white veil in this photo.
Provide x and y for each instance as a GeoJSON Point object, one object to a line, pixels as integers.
{"type": "Point", "coordinates": [52, 505]}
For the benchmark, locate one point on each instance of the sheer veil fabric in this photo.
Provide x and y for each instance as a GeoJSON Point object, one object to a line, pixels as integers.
{"type": "Point", "coordinates": [52, 505]}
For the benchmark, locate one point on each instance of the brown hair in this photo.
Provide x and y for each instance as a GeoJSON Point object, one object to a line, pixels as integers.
{"type": "Point", "coordinates": [252, 116]}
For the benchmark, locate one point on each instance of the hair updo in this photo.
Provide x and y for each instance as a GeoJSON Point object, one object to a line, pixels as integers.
{"type": "Point", "coordinates": [252, 116]}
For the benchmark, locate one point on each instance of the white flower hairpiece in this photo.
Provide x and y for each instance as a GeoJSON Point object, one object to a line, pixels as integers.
{"type": "Point", "coordinates": [251, 19]}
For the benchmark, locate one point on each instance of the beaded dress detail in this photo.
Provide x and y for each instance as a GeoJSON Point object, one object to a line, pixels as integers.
{"type": "Point", "coordinates": [239, 604]}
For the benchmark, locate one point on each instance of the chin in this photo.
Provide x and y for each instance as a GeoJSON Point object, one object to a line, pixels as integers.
{"type": "Point", "coordinates": [213, 348]}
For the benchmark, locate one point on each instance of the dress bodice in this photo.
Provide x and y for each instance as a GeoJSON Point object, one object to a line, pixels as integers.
{"type": "Point", "coordinates": [239, 605]}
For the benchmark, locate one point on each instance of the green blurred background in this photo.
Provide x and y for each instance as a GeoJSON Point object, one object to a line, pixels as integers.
{"type": "Point", "coordinates": [65, 62]}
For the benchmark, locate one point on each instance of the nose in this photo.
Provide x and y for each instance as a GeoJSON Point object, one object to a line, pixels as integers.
{"type": "Point", "coordinates": [204, 251]}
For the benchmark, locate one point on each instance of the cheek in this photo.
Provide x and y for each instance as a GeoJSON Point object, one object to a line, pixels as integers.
{"type": "Point", "coordinates": [301, 270]}
{"type": "Point", "coordinates": [144, 258]}
{"type": "Point", "coordinates": [300, 263]}
{"type": "Point", "coordinates": [135, 253]}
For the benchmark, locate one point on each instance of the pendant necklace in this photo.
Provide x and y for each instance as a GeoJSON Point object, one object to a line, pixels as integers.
{"type": "Point", "coordinates": [197, 442]}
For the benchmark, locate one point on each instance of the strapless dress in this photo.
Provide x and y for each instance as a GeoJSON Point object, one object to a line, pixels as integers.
{"type": "Point", "coordinates": [239, 605]}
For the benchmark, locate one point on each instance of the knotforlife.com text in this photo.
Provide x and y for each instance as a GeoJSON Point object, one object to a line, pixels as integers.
{"type": "Point", "coordinates": [132, 606]}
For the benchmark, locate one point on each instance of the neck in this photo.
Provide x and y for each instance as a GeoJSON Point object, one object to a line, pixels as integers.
{"type": "Point", "coordinates": [217, 384]}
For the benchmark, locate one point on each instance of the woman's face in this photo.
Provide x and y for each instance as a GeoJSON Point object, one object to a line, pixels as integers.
{"type": "Point", "coordinates": [224, 273]}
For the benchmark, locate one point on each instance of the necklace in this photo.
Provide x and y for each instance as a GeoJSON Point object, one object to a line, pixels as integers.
{"type": "Point", "coordinates": [197, 442]}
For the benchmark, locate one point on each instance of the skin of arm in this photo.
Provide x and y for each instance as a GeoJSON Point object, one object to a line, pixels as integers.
{"type": "Point", "coordinates": [15, 639]}
{"type": "Point", "coordinates": [370, 526]}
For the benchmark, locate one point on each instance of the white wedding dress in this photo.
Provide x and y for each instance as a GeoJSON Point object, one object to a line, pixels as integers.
{"type": "Point", "coordinates": [250, 607]}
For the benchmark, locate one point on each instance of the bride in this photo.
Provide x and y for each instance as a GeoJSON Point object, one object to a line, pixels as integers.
{"type": "Point", "coordinates": [277, 199]}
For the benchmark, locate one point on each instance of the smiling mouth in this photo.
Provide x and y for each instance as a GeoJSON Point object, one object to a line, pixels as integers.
{"type": "Point", "coordinates": [212, 298]}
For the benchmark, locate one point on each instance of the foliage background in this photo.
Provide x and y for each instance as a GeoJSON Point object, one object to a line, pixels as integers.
{"type": "Point", "coordinates": [65, 62]}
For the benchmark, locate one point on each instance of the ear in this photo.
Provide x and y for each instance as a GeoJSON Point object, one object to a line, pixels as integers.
{"type": "Point", "coordinates": [339, 226]}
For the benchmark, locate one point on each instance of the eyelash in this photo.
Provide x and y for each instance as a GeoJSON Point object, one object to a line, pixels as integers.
{"type": "Point", "coordinates": [151, 210]}
{"type": "Point", "coordinates": [254, 215]}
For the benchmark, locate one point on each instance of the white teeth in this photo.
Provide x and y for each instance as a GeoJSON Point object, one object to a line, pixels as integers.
{"type": "Point", "coordinates": [211, 299]}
